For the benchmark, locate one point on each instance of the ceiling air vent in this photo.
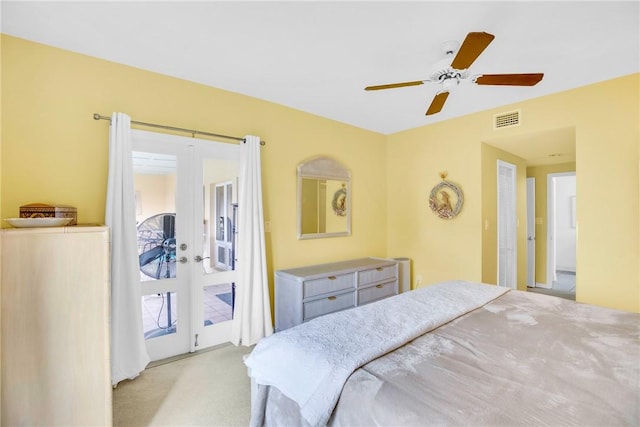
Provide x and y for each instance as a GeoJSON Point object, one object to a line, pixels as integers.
{"type": "Point", "coordinates": [504, 120]}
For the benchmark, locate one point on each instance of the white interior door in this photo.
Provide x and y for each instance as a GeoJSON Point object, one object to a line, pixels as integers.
{"type": "Point", "coordinates": [186, 303]}
{"type": "Point", "coordinates": [551, 230]}
{"type": "Point", "coordinates": [507, 223]}
{"type": "Point", "coordinates": [531, 232]}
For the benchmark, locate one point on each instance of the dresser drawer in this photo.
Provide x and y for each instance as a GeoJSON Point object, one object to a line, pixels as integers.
{"type": "Point", "coordinates": [328, 305]}
{"type": "Point", "coordinates": [328, 285]}
{"type": "Point", "coordinates": [303, 293]}
{"type": "Point", "coordinates": [376, 274]}
{"type": "Point", "coordinates": [376, 292]}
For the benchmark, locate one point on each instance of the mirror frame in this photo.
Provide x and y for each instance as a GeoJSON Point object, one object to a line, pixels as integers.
{"type": "Point", "coordinates": [323, 168]}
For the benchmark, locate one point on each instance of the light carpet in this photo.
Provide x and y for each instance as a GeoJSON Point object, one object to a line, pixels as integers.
{"type": "Point", "coordinates": [204, 389]}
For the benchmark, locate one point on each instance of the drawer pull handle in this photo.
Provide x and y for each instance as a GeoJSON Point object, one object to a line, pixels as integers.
{"type": "Point", "coordinates": [379, 286]}
{"type": "Point", "coordinates": [379, 269]}
{"type": "Point", "coordinates": [331, 277]}
{"type": "Point", "coordinates": [331, 298]}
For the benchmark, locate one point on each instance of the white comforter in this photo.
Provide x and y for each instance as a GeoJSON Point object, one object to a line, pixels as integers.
{"type": "Point", "coordinates": [311, 362]}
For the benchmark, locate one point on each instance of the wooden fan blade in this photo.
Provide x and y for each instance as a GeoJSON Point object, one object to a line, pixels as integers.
{"type": "Point", "coordinates": [392, 85]}
{"type": "Point", "coordinates": [472, 46]}
{"type": "Point", "coordinates": [510, 79]}
{"type": "Point", "coordinates": [437, 103]}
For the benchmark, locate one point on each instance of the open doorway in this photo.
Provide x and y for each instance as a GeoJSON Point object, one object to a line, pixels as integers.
{"type": "Point", "coordinates": [561, 234]}
{"type": "Point", "coordinates": [555, 229]}
{"type": "Point", "coordinates": [547, 152]}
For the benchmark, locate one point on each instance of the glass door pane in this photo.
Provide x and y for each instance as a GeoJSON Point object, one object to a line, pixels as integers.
{"type": "Point", "coordinates": [155, 177]}
{"type": "Point", "coordinates": [217, 167]}
{"type": "Point", "coordinates": [160, 171]}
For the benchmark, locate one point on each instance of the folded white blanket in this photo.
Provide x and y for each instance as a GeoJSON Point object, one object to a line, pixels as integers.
{"type": "Point", "coordinates": [311, 362]}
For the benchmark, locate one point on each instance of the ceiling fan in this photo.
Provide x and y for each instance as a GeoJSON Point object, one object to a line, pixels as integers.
{"type": "Point", "coordinates": [450, 73]}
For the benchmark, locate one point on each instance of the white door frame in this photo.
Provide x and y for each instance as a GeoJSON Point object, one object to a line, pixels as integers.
{"type": "Point", "coordinates": [218, 333]}
{"type": "Point", "coordinates": [191, 334]}
{"type": "Point", "coordinates": [173, 343]}
{"type": "Point", "coordinates": [551, 225]}
{"type": "Point", "coordinates": [510, 251]}
{"type": "Point", "coordinates": [531, 232]}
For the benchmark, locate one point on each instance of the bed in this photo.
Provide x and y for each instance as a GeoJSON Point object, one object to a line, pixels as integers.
{"type": "Point", "coordinates": [455, 353]}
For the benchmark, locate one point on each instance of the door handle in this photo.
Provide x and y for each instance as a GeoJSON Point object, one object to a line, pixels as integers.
{"type": "Point", "coordinates": [198, 258]}
{"type": "Point", "coordinates": [183, 260]}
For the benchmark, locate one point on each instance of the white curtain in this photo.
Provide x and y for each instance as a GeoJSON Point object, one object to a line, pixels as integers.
{"type": "Point", "coordinates": [128, 353]}
{"type": "Point", "coordinates": [252, 316]}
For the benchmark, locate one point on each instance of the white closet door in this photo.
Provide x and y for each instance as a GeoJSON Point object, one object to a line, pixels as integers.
{"type": "Point", "coordinates": [506, 224]}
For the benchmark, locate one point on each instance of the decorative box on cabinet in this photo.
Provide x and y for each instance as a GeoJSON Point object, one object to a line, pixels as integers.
{"type": "Point", "coordinates": [304, 293]}
{"type": "Point", "coordinates": [55, 326]}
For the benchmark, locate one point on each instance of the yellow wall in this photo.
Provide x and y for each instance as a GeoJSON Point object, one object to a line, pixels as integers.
{"type": "Point", "coordinates": [439, 249]}
{"type": "Point", "coordinates": [152, 191]}
{"type": "Point", "coordinates": [490, 157]}
{"type": "Point", "coordinates": [1, 216]}
{"type": "Point", "coordinates": [606, 117]}
{"type": "Point", "coordinates": [53, 151]}
{"type": "Point", "coordinates": [540, 174]}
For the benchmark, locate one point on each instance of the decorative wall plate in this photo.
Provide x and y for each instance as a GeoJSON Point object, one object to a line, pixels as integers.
{"type": "Point", "coordinates": [38, 222]}
{"type": "Point", "coordinates": [339, 203]}
{"type": "Point", "coordinates": [446, 199]}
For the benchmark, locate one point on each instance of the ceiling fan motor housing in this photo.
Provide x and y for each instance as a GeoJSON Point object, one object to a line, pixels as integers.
{"type": "Point", "coordinates": [448, 77]}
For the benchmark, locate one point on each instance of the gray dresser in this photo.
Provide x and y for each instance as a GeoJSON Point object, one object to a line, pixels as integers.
{"type": "Point", "coordinates": [304, 293]}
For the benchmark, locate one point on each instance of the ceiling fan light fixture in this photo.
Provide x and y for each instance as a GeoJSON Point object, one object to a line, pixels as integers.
{"type": "Point", "coordinates": [450, 83]}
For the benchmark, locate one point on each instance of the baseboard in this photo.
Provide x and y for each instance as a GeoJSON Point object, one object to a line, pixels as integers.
{"type": "Point", "coordinates": [566, 271]}
{"type": "Point", "coordinates": [543, 285]}
{"type": "Point", "coordinates": [160, 362]}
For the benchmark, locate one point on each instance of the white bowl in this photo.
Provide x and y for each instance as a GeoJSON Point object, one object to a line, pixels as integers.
{"type": "Point", "coordinates": [38, 222]}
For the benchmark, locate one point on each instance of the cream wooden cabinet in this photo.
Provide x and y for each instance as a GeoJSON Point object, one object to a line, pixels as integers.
{"type": "Point", "coordinates": [304, 293]}
{"type": "Point", "coordinates": [55, 326]}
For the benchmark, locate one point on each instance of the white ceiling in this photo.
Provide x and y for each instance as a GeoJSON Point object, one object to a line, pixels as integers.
{"type": "Point", "coordinates": [318, 56]}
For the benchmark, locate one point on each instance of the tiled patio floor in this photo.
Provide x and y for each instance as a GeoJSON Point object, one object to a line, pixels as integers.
{"type": "Point", "coordinates": [154, 308]}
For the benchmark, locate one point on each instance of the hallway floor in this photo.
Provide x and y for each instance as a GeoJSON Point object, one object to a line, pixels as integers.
{"type": "Point", "coordinates": [564, 286]}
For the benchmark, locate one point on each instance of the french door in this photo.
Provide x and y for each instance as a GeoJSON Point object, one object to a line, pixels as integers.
{"type": "Point", "coordinates": [187, 296]}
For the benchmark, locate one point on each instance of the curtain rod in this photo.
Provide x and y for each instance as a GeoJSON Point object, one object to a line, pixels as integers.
{"type": "Point", "coordinates": [97, 116]}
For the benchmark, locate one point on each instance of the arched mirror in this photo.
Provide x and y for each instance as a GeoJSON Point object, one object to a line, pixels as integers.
{"type": "Point", "coordinates": [324, 199]}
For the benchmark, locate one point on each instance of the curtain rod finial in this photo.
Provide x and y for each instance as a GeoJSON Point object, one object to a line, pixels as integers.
{"type": "Point", "coordinates": [96, 116]}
